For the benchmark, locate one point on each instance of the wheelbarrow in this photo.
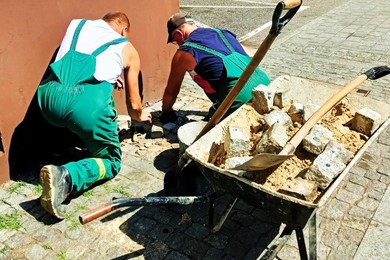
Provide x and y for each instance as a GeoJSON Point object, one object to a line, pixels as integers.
{"type": "Point", "coordinates": [295, 213]}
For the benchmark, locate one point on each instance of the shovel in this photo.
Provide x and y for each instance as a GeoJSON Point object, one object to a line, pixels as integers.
{"type": "Point", "coordinates": [265, 160]}
{"type": "Point", "coordinates": [277, 25]}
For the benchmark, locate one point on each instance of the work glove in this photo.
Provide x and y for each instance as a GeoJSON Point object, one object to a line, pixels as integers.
{"type": "Point", "coordinates": [168, 117]}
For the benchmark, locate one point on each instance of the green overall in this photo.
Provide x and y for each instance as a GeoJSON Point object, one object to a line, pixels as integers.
{"type": "Point", "coordinates": [71, 97]}
{"type": "Point", "coordinates": [234, 63]}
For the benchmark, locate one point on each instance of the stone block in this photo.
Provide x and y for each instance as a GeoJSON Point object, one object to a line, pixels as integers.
{"type": "Point", "coordinates": [366, 121]}
{"type": "Point", "coordinates": [277, 116]}
{"type": "Point", "coordinates": [156, 131]}
{"type": "Point", "coordinates": [262, 100]}
{"type": "Point", "coordinates": [317, 139]}
{"type": "Point", "coordinates": [300, 188]}
{"type": "Point", "coordinates": [278, 99]}
{"type": "Point", "coordinates": [310, 109]}
{"type": "Point", "coordinates": [296, 113]}
{"type": "Point", "coordinates": [273, 140]}
{"type": "Point", "coordinates": [170, 126]}
{"type": "Point", "coordinates": [324, 170]}
{"type": "Point", "coordinates": [335, 149]}
{"type": "Point", "coordinates": [237, 142]}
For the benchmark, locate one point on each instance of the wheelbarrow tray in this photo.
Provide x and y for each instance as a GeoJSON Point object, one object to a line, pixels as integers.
{"type": "Point", "coordinates": [288, 209]}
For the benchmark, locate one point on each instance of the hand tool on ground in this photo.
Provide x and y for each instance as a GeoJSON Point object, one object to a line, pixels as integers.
{"type": "Point", "coordinates": [266, 160]}
{"type": "Point", "coordinates": [277, 25]}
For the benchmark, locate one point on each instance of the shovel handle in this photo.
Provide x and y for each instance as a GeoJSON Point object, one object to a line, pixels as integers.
{"type": "Point", "coordinates": [289, 4]}
{"type": "Point", "coordinates": [373, 73]}
{"type": "Point", "coordinates": [277, 24]}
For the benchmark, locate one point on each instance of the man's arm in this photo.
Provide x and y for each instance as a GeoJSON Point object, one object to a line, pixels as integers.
{"type": "Point", "coordinates": [132, 66]}
{"type": "Point", "coordinates": [182, 62]}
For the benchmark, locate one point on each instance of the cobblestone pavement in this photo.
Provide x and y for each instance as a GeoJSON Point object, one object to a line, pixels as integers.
{"type": "Point", "coordinates": [353, 224]}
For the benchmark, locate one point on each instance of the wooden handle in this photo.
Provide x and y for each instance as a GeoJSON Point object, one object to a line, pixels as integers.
{"type": "Point", "coordinates": [304, 130]}
{"type": "Point", "coordinates": [246, 74]}
{"type": "Point", "coordinates": [95, 213]}
{"type": "Point", "coordinates": [289, 4]}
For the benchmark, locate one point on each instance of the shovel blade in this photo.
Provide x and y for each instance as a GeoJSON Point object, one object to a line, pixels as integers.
{"type": "Point", "coordinates": [263, 161]}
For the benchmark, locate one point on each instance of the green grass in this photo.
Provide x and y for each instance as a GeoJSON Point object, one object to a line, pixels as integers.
{"type": "Point", "coordinates": [88, 193]}
{"type": "Point", "coordinates": [14, 187]}
{"type": "Point", "coordinates": [80, 207]}
{"type": "Point", "coordinates": [47, 247]}
{"type": "Point", "coordinates": [120, 190]}
{"type": "Point", "coordinates": [61, 255]}
{"type": "Point", "coordinates": [74, 224]}
{"type": "Point", "coordinates": [10, 221]}
{"type": "Point", "coordinates": [3, 251]}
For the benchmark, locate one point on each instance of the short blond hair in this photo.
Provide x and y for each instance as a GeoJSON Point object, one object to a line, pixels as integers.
{"type": "Point", "coordinates": [117, 17]}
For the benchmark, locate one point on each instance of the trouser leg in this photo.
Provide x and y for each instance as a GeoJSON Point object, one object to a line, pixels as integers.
{"type": "Point", "coordinates": [93, 119]}
{"type": "Point", "coordinates": [86, 172]}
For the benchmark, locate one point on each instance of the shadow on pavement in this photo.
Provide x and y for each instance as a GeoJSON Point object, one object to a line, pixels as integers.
{"type": "Point", "coordinates": [181, 231]}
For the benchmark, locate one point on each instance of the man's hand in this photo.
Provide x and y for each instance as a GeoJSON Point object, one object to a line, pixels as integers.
{"type": "Point", "coordinates": [145, 117]}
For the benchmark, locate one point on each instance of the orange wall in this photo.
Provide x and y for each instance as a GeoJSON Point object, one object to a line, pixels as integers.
{"type": "Point", "coordinates": [30, 31]}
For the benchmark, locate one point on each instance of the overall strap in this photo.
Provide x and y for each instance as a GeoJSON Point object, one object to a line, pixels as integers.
{"type": "Point", "coordinates": [225, 41]}
{"type": "Point", "coordinates": [203, 48]}
{"type": "Point", "coordinates": [76, 34]}
{"type": "Point", "coordinates": [108, 44]}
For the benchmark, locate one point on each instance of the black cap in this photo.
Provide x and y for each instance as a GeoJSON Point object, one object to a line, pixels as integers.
{"type": "Point", "coordinates": [175, 21]}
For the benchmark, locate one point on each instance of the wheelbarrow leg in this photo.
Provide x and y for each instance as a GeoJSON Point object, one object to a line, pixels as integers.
{"type": "Point", "coordinates": [218, 226]}
{"type": "Point", "coordinates": [312, 226]}
{"type": "Point", "coordinates": [313, 236]}
{"type": "Point", "coordinates": [301, 243]}
{"type": "Point", "coordinates": [277, 244]}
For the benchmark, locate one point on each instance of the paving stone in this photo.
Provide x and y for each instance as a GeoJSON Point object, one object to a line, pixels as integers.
{"type": "Point", "coordinates": [35, 252]}
{"type": "Point", "coordinates": [193, 247]}
{"type": "Point", "coordinates": [357, 223]}
{"type": "Point", "coordinates": [335, 209]}
{"type": "Point", "coordinates": [18, 240]}
{"type": "Point", "coordinates": [217, 240]}
{"type": "Point", "coordinates": [330, 225]}
{"type": "Point", "coordinates": [347, 196]}
{"type": "Point", "coordinates": [361, 212]}
{"type": "Point", "coordinates": [213, 254]}
{"type": "Point", "coordinates": [236, 249]}
{"type": "Point", "coordinates": [197, 231]}
{"type": "Point", "coordinates": [355, 188]}
{"type": "Point", "coordinates": [350, 234]}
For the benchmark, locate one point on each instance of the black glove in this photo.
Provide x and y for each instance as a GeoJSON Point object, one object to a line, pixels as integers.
{"type": "Point", "coordinates": [168, 117]}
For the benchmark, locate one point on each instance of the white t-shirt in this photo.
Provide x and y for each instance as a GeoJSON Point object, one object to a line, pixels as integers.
{"type": "Point", "coordinates": [109, 64]}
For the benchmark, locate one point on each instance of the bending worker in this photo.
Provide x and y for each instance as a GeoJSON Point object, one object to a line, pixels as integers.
{"type": "Point", "coordinates": [78, 95]}
{"type": "Point", "coordinates": [214, 59]}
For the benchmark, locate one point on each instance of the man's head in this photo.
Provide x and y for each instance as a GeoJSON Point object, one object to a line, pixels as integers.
{"type": "Point", "coordinates": [175, 22]}
{"type": "Point", "coordinates": [119, 22]}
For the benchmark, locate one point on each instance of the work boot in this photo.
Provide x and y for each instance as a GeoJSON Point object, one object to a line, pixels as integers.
{"type": "Point", "coordinates": [56, 183]}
